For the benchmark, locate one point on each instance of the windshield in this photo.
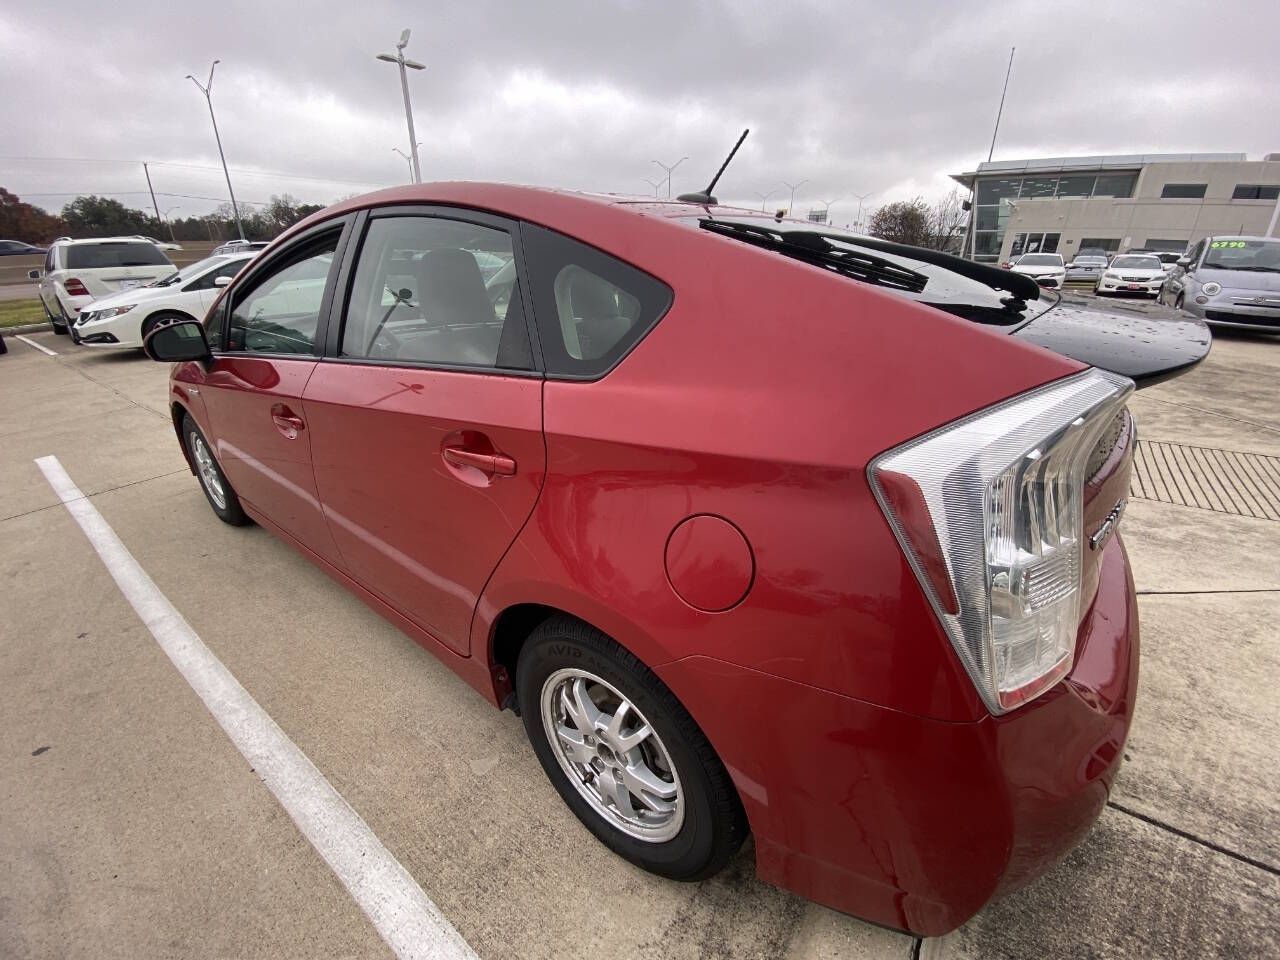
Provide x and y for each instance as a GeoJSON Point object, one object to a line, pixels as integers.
{"type": "Point", "coordinates": [1136, 263]}
{"type": "Point", "coordinates": [1261, 256]}
{"type": "Point", "coordinates": [90, 256]}
{"type": "Point", "coordinates": [925, 282]}
{"type": "Point", "coordinates": [1040, 260]}
{"type": "Point", "coordinates": [187, 272]}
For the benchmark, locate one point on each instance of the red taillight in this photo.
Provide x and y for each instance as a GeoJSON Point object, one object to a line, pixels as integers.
{"type": "Point", "coordinates": [75, 288]}
{"type": "Point", "coordinates": [907, 500]}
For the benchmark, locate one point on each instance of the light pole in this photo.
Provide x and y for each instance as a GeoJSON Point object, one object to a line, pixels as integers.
{"type": "Point", "coordinates": [862, 198]}
{"type": "Point", "coordinates": [794, 187]}
{"type": "Point", "coordinates": [764, 197]}
{"type": "Point", "coordinates": [404, 87]}
{"type": "Point", "coordinates": [207, 90]}
{"type": "Point", "coordinates": [164, 218]}
{"type": "Point", "coordinates": [656, 184]}
{"type": "Point", "coordinates": [669, 169]}
{"type": "Point", "coordinates": [408, 159]}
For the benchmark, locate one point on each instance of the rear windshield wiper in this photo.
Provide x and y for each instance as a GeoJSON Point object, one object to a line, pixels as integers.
{"type": "Point", "coordinates": [813, 248]}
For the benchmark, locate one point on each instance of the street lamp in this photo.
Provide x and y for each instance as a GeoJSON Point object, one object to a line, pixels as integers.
{"type": "Point", "coordinates": [764, 197]}
{"type": "Point", "coordinates": [164, 218]}
{"type": "Point", "coordinates": [669, 169]}
{"type": "Point", "coordinates": [207, 90]}
{"type": "Point", "coordinates": [794, 187]}
{"type": "Point", "coordinates": [862, 198]}
{"type": "Point", "coordinates": [656, 184]}
{"type": "Point", "coordinates": [408, 158]}
{"type": "Point", "coordinates": [404, 87]}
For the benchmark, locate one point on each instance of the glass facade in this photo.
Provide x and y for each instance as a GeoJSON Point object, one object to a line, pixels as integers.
{"type": "Point", "coordinates": [993, 196]}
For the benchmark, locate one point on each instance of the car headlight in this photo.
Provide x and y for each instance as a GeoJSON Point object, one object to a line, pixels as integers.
{"type": "Point", "coordinates": [990, 513]}
{"type": "Point", "coordinates": [1211, 289]}
{"type": "Point", "coordinates": [1108, 275]}
{"type": "Point", "coordinates": [110, 312]}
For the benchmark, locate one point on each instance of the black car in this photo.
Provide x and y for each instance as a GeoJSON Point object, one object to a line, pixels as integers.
{"type": "Point", "coordinates": [16, 248]}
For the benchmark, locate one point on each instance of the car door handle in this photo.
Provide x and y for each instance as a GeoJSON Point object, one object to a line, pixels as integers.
{"type": "Point", "coordinates": [498, 464]}
{"type": "Point", "coordinates": [286, 421]}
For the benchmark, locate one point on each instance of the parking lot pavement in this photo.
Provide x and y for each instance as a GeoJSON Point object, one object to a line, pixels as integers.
{"type": "Point", "coordinates": [139, 830]}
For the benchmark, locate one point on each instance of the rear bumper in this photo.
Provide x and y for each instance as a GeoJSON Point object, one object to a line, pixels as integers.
{"type": "Point", "coordinates": [915, 823]}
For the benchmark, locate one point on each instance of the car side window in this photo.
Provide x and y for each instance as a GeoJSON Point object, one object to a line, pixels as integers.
{"type": "Point", "coordinates": [209, 280]}
{"type": "Point", "coordinates": [48, 262]}
{"type": "Point", "coordinates": [591, 308]}
{"type": "Point", "coordinates": [436, 290]}
{"type": "Point", "coordinates": [280, 312]}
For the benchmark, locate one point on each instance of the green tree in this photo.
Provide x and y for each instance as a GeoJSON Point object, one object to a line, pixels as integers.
{"type": "Point", "coordinates": [22, 221]}
{"type": "Point", "coordinates": [903, 221]}
{"type": "Point", "coordinates": [95, 216]}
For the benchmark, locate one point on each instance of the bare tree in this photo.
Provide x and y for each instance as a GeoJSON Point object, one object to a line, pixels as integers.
{"type": "Point", "coordinates": [947, 219]}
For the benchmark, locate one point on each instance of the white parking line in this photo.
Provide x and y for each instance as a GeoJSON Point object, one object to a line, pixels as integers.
{"type": "Point", "coordinates": [404, 916]}
{"type": "Point", "coordinates": [32, 343]}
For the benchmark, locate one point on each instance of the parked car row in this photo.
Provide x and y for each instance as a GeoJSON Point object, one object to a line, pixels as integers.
{"type": "Point", "coordinates": [112, 291]}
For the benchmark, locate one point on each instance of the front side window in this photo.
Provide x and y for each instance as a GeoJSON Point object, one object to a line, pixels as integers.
{"type": "Point", "coordinates": [591, 308]}
{"type": "Point", "coordinates": [209, 281]}
{"type": "Point", "coordinates": [436, 290]}
{"type": "Point", "coordinates": [281, 311]}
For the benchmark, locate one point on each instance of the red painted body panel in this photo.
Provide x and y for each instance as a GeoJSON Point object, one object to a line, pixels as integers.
{"type": "Point", "coordinates": [874, 778]}
{"type": "Point", "coordinates": [916, 823]}
{"type": "Point", "coordinates": [269, 470]}
{"type": "Point", "coordinates": [422, 533]}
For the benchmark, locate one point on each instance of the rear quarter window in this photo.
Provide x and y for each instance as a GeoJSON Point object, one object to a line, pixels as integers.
{"type": "Point", "coordinates": [591, 308]}
{"type": "Point", "coordinates": [91, 256]}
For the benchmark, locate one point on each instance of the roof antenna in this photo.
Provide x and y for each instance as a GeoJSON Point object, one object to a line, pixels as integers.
{"type": "Point", "coordinates": [705, 196]}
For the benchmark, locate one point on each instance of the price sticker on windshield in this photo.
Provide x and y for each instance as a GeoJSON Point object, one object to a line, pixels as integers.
{"type": "Point", "coordinates": [1217, 244]}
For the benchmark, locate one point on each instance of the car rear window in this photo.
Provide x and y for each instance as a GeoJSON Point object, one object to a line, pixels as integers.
{"type": "Point", "coordinates": [92, 256]}
{"type": "Point", "coordinates": [590, 308]}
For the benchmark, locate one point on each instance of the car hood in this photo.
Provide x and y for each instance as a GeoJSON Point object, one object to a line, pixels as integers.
{"type": "Point", "coordinates": [1145, 349]}
{"type": "Point", "coordinates": [1240, 279]}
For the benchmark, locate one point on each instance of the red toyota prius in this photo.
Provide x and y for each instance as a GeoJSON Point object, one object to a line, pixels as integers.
{"type": "Point", "coordinates": [760, 526]}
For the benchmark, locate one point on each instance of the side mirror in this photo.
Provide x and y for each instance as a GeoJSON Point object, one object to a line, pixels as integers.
{"type": "Point", "coordinates": [33, 274]}
{"type": "Point", "coordinates": [1184, 262]}
{"type": "Point", "coordinates": [178, 343]}
{"type": "Point", "coordinates": [221, 281]}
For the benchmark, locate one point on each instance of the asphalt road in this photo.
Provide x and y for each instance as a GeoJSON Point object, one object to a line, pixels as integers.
{"type": "Point", "coordinates": [136, 822]}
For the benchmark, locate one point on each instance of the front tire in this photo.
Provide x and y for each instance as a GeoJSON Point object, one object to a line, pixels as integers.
{"type": "Point", "coordinates": [625, 755]}
{"type": "Point", "coordinates": [217, 489]}
{"type": "Point", "coordinates": [162, 319]}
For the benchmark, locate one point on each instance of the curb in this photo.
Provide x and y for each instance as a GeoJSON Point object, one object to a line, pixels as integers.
{"type": "Point", "coordinates": [27, 328]}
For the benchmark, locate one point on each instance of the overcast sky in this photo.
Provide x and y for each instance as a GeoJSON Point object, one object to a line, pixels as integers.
{"type": "Point", "coordinates": [886, 98]}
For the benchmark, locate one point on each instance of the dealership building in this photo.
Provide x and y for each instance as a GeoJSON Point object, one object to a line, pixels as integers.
{"type": "Point", "coordinates": [1157, 201]}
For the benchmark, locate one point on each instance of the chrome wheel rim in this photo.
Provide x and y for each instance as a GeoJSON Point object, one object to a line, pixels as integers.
{"type": "Point", "coordinates": [208, 471]}
{"type": "Point", "coordinates": [612, 755]}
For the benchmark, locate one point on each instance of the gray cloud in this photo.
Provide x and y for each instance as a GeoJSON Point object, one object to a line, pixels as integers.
{"type": "Point", "coordinates": [853, 97]}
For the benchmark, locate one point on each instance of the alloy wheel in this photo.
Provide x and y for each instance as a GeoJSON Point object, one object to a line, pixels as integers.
{"type": "Point", "coordinates": [208, 471]}
{"type": "Point", "coordinates": [612, 755]}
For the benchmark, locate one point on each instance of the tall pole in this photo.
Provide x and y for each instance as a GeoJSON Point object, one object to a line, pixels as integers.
{"type": "Point", "coordinates": [169, 223]}
{"type": "Point", "coordinates": [403, 64]}
{"type": "Point", "coordinates": [155, 205]}
{"type": "Point", "coordinates": [207, 90]}
{"type": "Point", "coordinates": [764, 197]}
{"type": "Point", "coordinates": [656, 184]}
{"type": "Point", "coordinates": [669, 170]}
{"type": "Point", "coordinates": [794, 187]}
{"type": "Point", "coordinates": [1275, 215]}
{"type": "Point", "coordinates": [1000, 112]}
{"type": "Point", "coordinates": [862, 197]}
{"type": "Point", "coordinates": [408, 159]}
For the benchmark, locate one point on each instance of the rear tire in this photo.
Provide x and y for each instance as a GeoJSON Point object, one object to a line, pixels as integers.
{"type": "Point", "coordinates": [217, 489]}
{"type": "Point", "coordinates": [692, 822]}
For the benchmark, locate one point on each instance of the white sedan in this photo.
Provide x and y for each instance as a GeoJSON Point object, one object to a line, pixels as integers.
{"type": "Point", "coordinates": [124, 319]}
{"type": "Point", "coordinates": [1132, 273]}
{"type": "Point", "coordinates": [1046, 269]}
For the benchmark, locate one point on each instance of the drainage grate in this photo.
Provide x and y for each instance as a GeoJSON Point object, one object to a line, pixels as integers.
{"type": "Point", "coordinates": [1225, 481]}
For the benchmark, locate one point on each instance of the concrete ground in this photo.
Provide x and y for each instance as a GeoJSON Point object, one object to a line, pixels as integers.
{"type": "Point", "coordinates": [130, 825]}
